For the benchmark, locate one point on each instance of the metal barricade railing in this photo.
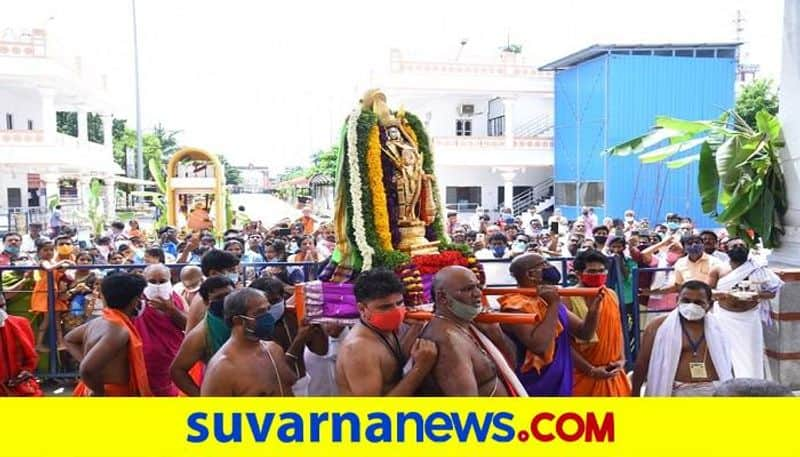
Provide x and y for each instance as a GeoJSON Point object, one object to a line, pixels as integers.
{"type": "Point", "coordinates": [54, 365]}
{"type": "Point", "coordinates": [629, 319]}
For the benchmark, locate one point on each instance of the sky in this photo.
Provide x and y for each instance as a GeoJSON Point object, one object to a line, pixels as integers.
{"type": "Point", "coordinates": [269, 83]}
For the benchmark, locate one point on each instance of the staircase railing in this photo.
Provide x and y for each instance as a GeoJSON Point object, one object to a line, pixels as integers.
{"type": "Point", "coordinates": [535, 126]}
{"type": "Point", "coordinates": [532, 197]}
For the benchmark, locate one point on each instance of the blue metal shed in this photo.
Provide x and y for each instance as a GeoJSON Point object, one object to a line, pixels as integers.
{"type": "Point", "coordinates": [606, 94]}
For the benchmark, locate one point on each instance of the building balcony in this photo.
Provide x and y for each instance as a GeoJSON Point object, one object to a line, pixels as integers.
{"type": "Point", "coordinates": [63, 154]}
{"type": "Point", "coordinates": [493, 151]}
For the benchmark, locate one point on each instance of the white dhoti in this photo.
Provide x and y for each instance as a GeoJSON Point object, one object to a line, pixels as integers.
{"type": "Point", "coordinates": [746, 339]}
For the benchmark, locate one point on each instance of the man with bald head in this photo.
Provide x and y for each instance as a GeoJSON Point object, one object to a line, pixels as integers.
{"type": "Point", "coordinates": [248, 365]}
{"type": "Point", "coordinates": [469, 362]}
{"type": "Point", "coordinates": [544, 361]}
{"type": "Point", "coordinates": [160, 324]}
{"type": "Point", "coordinates": [189, 285]}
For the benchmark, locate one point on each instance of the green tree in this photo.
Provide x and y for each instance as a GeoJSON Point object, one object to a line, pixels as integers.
{"type": "Point", "coordinates": [324, 163]}
{"type": "Point", "coordinates": [756, 96]}
{"type": "Point", "coordinates": [168, 139]}
{"type": "Point", "coordinates": [67, 123]}
{"type": "Point", "coordinates": [232, 175]}
{"type": "Point", "coordinates": [95, 123]}
{"type": "Point", "coordinates": [291, 173]}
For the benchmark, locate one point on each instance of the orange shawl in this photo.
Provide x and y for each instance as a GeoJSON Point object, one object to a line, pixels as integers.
{"type": "Point", "coordinates": [537, 307]}
{"type": "Point", "coordinates": [606, 349]}
{"type": "Point", "coordinates": [137, 378]}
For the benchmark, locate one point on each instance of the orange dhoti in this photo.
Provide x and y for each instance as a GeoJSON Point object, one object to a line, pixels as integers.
{"type": "Point", "coordinates": [137, 372]}
{"type": "Point", "coordinates": [601, 351]}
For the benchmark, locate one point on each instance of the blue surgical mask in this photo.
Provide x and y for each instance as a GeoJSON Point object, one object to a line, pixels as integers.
{"type": "Point", "coordinates": [463, 311]}
{"type": "Point", "coordinates": [499, 251]}
{"type": "Point", "coordinates": [694, 249]}
{"type": "Point", "coordinates": [551, 276]}
{"type": "Point", "coordinates": [233, 276]}
{"type": "Point", "coordinates": [264, 326]}
{"type": "Point", "coordinates": [672, 225]}
{"type": "Point", "coordinates": [277, 310]}
{"type": "Point", "coordinates": [13, 250]}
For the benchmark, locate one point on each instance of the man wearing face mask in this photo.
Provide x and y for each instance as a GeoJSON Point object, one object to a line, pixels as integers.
{"type": "Point", "coordinates": [190, 279]}
{"type": "Point", "coordinates": [741, 314]}
{"type": "Point", "coordinates": [160, 324]}
{"type": "Point", "coordinates": [214, 263]}
{"type": "Point", "coordinates": [470, 359]}
{"type": "Point", "coordinates": [497, 248]}
{"type": "Point", "coordinates": [544, 364]}
{"type": "Point", "coordinates": [600, 235]}
{"type": "Point", "coordinates": [248, 364]}
{"type": "Point", "coordinates": [686, 352]}
{"type": "Point", "coordinates": [292, 337]}
{"type": "Point", "coordinates": [696, 265]}
{"type": "Point", "coordinates": [204, 339]}
{"type": "Point", "coordinates": [109, 349]}
{"type": "Point", "coordinates": [600, 360]}
{"type": "Point", "coordinates": [373, 357]}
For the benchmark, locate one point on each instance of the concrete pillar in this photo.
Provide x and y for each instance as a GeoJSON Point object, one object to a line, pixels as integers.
{"type": "Point", "coordinates": [83, 192]}
{"type": "Point", "coordinates": [789, 252]}
{"type": "Point", "coordinates": [782, 339]}
{"type": "Point", "coordinates": [83, 125]}
{"type": "Point", "coordinates": [51, 187]}
{"type": "Point", "coordinates": [110, 199]}
{"type": "Point", "coordinates": [48, 106]}
{"type": "Point", "coordinates": [508, 176]}
{"type": "Point", "coordinates": [508, 110]}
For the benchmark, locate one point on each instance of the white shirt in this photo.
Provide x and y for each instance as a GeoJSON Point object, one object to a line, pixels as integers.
{"type": "Point", "coordinates": [322, 368]}
{"type": "Point", "coordinates": [721, 256]}
{"type": "Point", "coordinates": [29, 244]}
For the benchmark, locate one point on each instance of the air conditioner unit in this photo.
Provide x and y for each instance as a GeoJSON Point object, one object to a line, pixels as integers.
{"type": "Point", "coordinates": [466, 110]}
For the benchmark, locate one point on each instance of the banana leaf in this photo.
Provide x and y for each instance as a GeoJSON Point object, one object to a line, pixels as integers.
{"type": "Point", "coordinates": [688, 128]}
{"type": "Point", "coordinates": [158, 175]}
{"type": "Point", "coordinates": [642, 142]}
{"type": "Point", "coordinates": [683, 161]}
{"type": "Point", "coordinates": [708, 180]}
{"type": "Point", "coordinates": [768, 124]}
{"type": "Point", "coordinates": [666, 152]}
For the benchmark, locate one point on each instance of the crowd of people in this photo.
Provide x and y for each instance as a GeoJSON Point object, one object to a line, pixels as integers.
{"type": "Point", "coordinates": [219, 327]}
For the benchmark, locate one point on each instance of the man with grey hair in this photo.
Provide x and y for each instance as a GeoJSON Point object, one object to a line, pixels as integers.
{"type": "Point", "coordinates": [247, 364]}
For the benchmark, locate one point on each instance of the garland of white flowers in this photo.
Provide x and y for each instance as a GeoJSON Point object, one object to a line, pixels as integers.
{"type": "Point", "coordinates": [355, 191]}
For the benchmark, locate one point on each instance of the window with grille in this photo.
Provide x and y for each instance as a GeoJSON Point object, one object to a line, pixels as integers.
{"type": "Point", "coordinates": [496, 118]}
{"type": "Point", "coordinates": [463, 127]}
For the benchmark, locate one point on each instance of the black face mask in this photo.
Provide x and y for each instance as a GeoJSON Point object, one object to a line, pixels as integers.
{"type": "Point", "coordinates": [216, 307]}
{"type": "Point", "coordinates": [739, 254]}
{"type": "Point", "coordinates": [600, 240]}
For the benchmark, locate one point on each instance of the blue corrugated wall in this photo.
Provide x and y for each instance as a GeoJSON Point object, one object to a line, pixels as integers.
{"type": "Point", "coordinates": [631, 91]}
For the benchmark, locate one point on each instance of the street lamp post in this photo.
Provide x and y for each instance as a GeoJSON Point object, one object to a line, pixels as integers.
{"type": "Point", "coordinates": [139, 157]}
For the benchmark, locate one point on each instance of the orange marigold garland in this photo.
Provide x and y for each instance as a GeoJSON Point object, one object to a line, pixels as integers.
{"type": "Point", "coordinates": [375, 176]}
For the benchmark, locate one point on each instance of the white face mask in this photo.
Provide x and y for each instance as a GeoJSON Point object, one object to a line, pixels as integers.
{"type": "Point", "coordinates": [691, 311]}
{"type": "Point", "coordinates": [3, 317]}
{"type": "Point", "coordinates": [162, 291]}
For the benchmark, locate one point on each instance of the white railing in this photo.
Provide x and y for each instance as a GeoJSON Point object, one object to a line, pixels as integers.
{"type": "Point", "coordinates": [21, 138]}
{"type": "Point", "coordinates": [23, 43]}
{"type": "Point", "coordinates": [474, 142]}
{"type": "Point", "coordinates": [399, 65]}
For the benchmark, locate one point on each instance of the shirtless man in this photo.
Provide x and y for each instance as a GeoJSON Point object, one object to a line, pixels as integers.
{"type": "Point", "coordinates": [469, 364]}
{"type": "Point", "coordinates": [247, 364]}
{"type": "Point", "coordinates": [372, 356]}
{"type": "Point", "coordinates": [693, 337]}
{"type": "Point", "coordinates": [202, 341]}
{"type": "Point", "coordinates": [110, 349]}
